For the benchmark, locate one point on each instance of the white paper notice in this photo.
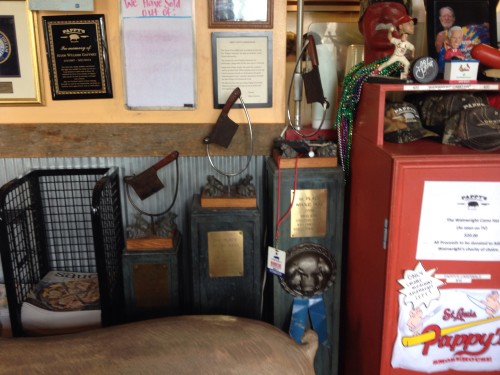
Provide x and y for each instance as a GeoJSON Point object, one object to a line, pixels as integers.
{"type": "Point", "coordinates": [460, 221]}
{"type": "Point", "coordinates": [67, 5]}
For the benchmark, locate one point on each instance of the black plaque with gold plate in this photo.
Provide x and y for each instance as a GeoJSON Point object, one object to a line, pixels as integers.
{"type": "Point", "coordinates": [226, 260]}
{"type": "Point", "coordinates": [78, 58]}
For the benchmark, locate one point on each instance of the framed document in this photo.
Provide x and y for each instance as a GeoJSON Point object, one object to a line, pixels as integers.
{"type": "Point", "coordinates": [77, 57]}
{"type": "Point", "coordinates": [242, 60]}
{"type": "Point", "coordinates": [19, 65]}
{"type": "Point", "coordinates": [238, 14]}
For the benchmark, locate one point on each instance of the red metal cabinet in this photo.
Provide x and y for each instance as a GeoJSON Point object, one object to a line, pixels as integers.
{"type": "Point", "coordinates": [386, 191]}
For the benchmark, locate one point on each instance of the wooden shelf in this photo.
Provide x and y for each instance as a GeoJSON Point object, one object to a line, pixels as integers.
{"type": "Point", "coordinates": [371, 107]}
{"type": "Point", "coordinates": [304, 162]}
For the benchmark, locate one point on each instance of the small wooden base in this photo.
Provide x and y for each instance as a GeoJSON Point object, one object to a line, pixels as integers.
{"type": "Point", "coordinates": [228, 201]}
{"type": "Point", "coordinates": [150, 243]}
{"type": "Point", "coordinates": [304, 162]}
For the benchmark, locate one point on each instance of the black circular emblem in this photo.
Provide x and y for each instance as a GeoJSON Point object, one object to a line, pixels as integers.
{"type": "Point", "coordinates": [5, 48]}
{"type": "Point", "coordinates": [310, 270]}
{"type": "Point", "coordinates": [424, 69]}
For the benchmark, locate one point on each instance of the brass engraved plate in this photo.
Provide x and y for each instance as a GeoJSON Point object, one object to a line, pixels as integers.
{"type": "Point", "coordinates": [225, 253]}
{"type": "Point", "coordinates": [6, 88]}
{"type": "Point", "coordinates": [150, 285]}
{"type": "Point", "coordinates": [308, 216]}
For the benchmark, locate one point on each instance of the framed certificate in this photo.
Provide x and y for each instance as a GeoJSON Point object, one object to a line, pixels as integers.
{"type": "Point", "coordinates": [237, 14]}
{"type": "Point", "coordinates": [19, 65]}
{"type": "Point", "coordinates": [242, 60]}
{"type": "Point", "coordinates": [77, 57]}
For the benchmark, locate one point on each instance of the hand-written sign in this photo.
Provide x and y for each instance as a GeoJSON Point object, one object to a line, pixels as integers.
{"type": "Point", "coordinates": [419, 286]}
{"type": "Point", "coordinates": [158, 54]}
{"type": "Point", "coordinates": [156, 8]}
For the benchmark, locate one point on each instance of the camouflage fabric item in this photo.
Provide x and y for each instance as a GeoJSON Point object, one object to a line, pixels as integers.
{"type": "Point", "coordinates": [402, 123]}
{"type": "Point", "coordinates": [477, 128]}
{"type": "Point", "coordinates": [435, 109]}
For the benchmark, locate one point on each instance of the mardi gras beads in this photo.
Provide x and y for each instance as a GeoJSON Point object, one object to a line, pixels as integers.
{"type": "Point", "coordinates": [351, 93]}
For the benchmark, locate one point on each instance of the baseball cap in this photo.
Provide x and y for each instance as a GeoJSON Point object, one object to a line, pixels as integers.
{"type": "Point", "coordinates": [402, 123]}
{"type": "Point", "coordinates": [477, 128]}
{"type": "Point", "coordinates": [404, 19]}
{"type": "Point", "coordinates": [435, 109]}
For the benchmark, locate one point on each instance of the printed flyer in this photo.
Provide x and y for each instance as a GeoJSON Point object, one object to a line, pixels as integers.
{"type": "Point", "coordinates": [460, 221]}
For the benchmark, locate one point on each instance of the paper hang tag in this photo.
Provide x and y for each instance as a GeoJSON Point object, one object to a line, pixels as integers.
{"type": "Point", "coordinates": [64, 5]}
{"type": "Point", "coordinates": [276, 261]}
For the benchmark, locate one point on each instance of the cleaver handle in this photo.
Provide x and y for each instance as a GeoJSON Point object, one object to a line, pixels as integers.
{"type": "Point", "coordinates": [311, 50]}
{"type": "Point", "coordinates": [231, 99]}
{"type": "Point", "coordinates": [166, 160]}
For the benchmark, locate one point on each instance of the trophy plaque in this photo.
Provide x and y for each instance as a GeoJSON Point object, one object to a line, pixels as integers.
{"type": "Point", "coordinates": [77, 57]}
{"type": "Point", "coordinates": [305, 215]}
{"type": "Point", "coordinates": [226, 260]}
{"type": "Point", "coordinates": [151, 258]}
{"type": "Point", "coordinates": [160, 231]}
{"type": "Point", "coordinates": [296, 148]}
{"type": "Point", "coordinates": [215, 193]}
{"type": "Point", "coordinates": [226, 266]}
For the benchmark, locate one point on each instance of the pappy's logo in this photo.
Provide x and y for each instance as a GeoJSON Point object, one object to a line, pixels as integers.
{"type": "Point", "coordinates": [472, 343]}
{"type": "Point", "coordinates": [5, 47]}
{"type": "Point", "coordinates": [461, 314]}
{"type": "Point", "coordinates": [473, 201]}
{"type": "Point", "coordinates": [74, 34]}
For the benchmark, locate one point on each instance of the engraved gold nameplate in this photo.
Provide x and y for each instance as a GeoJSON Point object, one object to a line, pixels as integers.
{"type": "Point", "coordinates": [225, 253]}
{"type": "Point", "coordinates": [148, 291]}
{"type": "Point", "coordinates": [308, 215]}
{"type": "Point", "coordinates": [6, 88]}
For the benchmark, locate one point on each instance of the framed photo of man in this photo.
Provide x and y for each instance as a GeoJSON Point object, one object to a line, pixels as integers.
{"type": "Point", "coordinates": [459, 25]}
{"type": "Point", "coordinates": [240, 14]}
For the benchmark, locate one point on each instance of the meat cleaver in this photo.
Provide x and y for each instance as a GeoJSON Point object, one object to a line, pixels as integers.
{"type": "Point", "coordinates": [312, 79]}
{"type": "Point", "coordinates": [147, 182]}
{"type": "Point", "coordinates": [225, 128]}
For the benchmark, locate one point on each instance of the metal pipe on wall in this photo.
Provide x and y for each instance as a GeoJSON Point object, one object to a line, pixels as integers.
{"type": "Point", "coordinates": [298, 70]}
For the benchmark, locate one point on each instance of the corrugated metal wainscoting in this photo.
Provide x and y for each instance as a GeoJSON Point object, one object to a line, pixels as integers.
{"type": "Point", "coordinates": [193, 172]}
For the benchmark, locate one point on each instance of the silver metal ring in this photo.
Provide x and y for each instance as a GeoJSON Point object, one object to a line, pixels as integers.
{"type": "Point", "coordinates": [249, 156]}
{"type": "Point", "coordinates": [289, 117]}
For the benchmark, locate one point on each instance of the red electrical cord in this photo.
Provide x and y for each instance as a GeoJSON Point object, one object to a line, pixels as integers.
{"type": "Point", "coordinates": [279, 220]}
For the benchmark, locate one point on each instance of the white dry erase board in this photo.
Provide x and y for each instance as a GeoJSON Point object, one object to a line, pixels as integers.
{"type": "Point", "coordinates": [158, 54]}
